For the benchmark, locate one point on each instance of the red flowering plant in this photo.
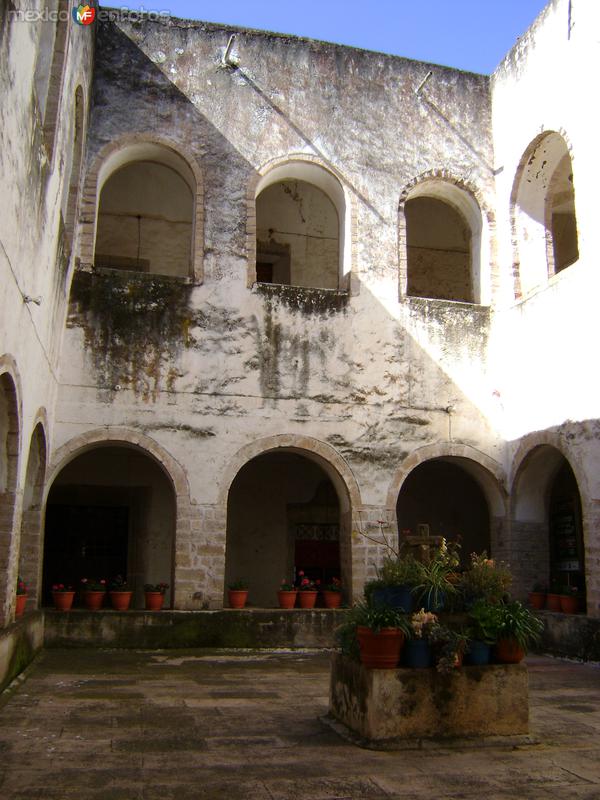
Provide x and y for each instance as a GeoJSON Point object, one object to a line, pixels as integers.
{"type": "Point", "coordinates": [62, 587]}
{"type": "Point", "coordinates": [287, 586]}
{"type": "Point", "coordinates": [92, 585]}
{"type": "Point", "coordinates": [334, 586]}
{"type": "Point", "coordinates": [21, 586]}
{"type": "Point", "coordinates": [156, 587]}
{"type": "Point", "coordinates": [306, 584]}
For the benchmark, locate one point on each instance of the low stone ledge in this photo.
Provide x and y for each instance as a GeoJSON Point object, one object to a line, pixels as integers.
{"type": "Point", "coordinates": [174, 629]}
{"type": "Point", "coordinates": [382, 705]}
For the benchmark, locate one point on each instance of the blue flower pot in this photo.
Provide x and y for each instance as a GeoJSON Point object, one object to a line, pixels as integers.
{"type": "Point", "coordinates": [416, 654]}
{"type": "Point", "coordinates": [478, 654]}
{"type": "Point", "coordinates": [395, 597]}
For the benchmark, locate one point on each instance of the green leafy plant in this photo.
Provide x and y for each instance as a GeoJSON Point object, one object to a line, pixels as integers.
{"type": "Point", "coordinates": [156, 587]}
{"type": "Point", "coordinates": [517, 622]}
{"type": "Point", "coordinates": [21, 586]}
{"type": "Point", "coordinates": [286, 586]}
{"type": "Point", "coordinates": [401, 571]}
{"type": "Point", "coordinates": [434, 586]}
{"type": "Point", "coordinates": [485, 621]}
{"type": "Point", "coordinates": [334, 586]}
{"type": "Point", "coordinates": [374, 617]}
{"type": "Point", "coordinates": [93, 585]}
{"type": "Point", "coordinates": [119, 584]}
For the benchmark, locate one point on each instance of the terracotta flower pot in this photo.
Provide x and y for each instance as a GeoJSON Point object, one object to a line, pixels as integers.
{"type": "Point", "coordinates": [120, 600]}
{"type": "Point", "coordinates": [237, 597]}
{"type": "Point", "coordinates": [93, 600]}
{"type": "Point", "coordinates": [537, 599]}
{"type": "Point", "coordinates": [332, 599]}
{"type": "Point", "coordinates": [307, 599]}
{"type": "Point", "coordinates": [287, 599]}
{"type": "Point", "coordinates": [569, 604]}
{"type": "Point", "coordinates": [507, 651]}
{"type": "Point", "coordinates": [63, 600]}
{"type": "Point", "coordinates": [20, 605]}
{"type": "Point", "coordinates": [380, 650]}
{"type": "Point", "coordinates": [553, 602]}
{"type": "Point", "coordinates": [154, 601]}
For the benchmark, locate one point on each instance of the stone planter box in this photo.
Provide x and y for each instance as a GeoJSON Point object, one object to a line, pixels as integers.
{"type": "Point", "coordinates": [392, 704]}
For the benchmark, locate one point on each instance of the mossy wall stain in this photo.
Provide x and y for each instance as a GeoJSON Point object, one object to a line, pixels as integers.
{"type": "Point", "coordinates": [134, 327]}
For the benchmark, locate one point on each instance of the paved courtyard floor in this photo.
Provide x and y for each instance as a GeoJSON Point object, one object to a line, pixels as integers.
{"type": "Point", "coordinates": [208, 725]}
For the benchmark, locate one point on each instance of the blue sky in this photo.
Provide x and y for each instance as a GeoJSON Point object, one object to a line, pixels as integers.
{"type": "Point", "coordinates": [467, 34]}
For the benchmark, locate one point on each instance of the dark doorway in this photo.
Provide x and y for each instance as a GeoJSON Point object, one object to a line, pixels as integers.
{"type": "Point", "coordinates": [444, 496]}
{"type": "Point", "coordinates": [567, 560]}
{"type": "Point", "coordinates": [84, 541]}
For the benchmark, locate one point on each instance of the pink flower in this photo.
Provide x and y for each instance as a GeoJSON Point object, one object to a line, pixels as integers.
{"type": "Point", "coordinates": [301, 573]}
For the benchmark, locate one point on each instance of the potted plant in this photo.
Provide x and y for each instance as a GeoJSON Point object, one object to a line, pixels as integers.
{"type": "Point", "coordinates": [237, 594]}
{"type": "Point", "coordinates": [332, 593]}
{"type": "Point", "coordinates": [154, 595]}
{"type": "Point", "coordinates": [450, 645]}
{"type": "Point", "coordinates": [434, 587]}
{"type": "Point", "coordinates": [120, 593]}
{"type": "Point", "coordinates": [308, 591]}
{"type": "Point", "coordinates": [377, 632]}
{"type": "Point", "coordinates": [485, 579]}
{"type": "Point", "coordinates": [286, 594]}
{"type": "Point", "coordinates": [93, 592]}
{"type": "Point", "coordinates": [569, 600]}
{"type": "Point", "coordinates": [518, 629]}
{"type": "Point", "coordinates": [21, 597]}
{"type": "Point", "coordinates": [397, 579]}
{"type": "Point", "coordinates": [537, 596]}
{"type": "Point", "coordinates": [62, 596]}
{"type": "Point", "coordinates": [417, 651]}
{"type": "Point", "coordinates": [553, 596]}
{"type": "Point", "coordinates": [485, 623]}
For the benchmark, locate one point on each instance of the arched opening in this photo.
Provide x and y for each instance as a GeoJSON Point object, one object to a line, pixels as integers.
{"type": "Point", "coordinates": [442, 498]}
{"type": "Point", "coordinates": [9, 462]}
{"type": "Point", "coordinates": [284, 514]}
{"type": "Point", "coordinates": [444, 243]}
{"type": "Point", "coordinates": [110, 511]}
{"type": "Point", "coordinates": [297, 236]}
{"type": "Point", "coordinates": [146, 212]}
{"type": "Point", "coordinates": [31, 520]}
{"type": "Point", "coordinates": [548, 524]}
{"type": "Point", "coordinates": [302, 227]}
{"type": "Point", "coordinates": [543, 210]}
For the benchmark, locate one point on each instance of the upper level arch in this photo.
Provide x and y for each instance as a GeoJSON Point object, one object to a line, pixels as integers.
{"type": "Point", "coordinates": [445, 242]}
{"type": "Point", "coordinates": [144, 208]}
{"type": "Point", "coordinates": [299, 225]}
{"type": "Point", "coordinates": [542, 212]}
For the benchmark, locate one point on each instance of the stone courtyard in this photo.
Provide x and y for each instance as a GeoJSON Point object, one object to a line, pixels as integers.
{"type": "Point", "coordinates": [212, 724]}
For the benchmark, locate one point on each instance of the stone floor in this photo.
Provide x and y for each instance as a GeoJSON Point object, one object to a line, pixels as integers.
{"type": "Point", "coordinates": [207, 725]}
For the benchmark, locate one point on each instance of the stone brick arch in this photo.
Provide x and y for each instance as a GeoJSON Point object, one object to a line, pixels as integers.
{"type": "Point", "coordinates": [174, 473]}
{"type": "Point", "coordinates": [120, 152]}
{"type": "Point", "coordinates": [325, 455]}
{"type": "Point", "coordinates": [343, 198]}
{"type": "Point", "coordinates": [542, 464]}
{"type": "Point", "coordinates": [487, 472]}
{"type": "Point", "coordinates": [525, 161]}
{"type": "Point", "coordinates": [30, 540]}
{"type": "Point", "coordinates": [441, 184]}
{"type": "Point", "coordinates": [10, 444]}
{"type": "Point", "coordinates": [340, 475]}
{"type": "Point", "coordinates": [531, 443]}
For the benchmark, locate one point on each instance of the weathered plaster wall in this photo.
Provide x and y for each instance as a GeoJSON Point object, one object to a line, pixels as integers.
{"type": "Point", "coordinates": [547, 385]}
{"type": "Point", "coordinates": [207, 369]}
{"type": "Point", "coordinates": [34, 250]}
